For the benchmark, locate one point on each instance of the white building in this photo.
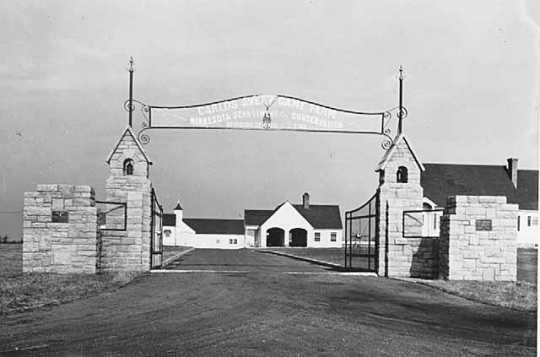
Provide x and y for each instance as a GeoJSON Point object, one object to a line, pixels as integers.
{"type": "Point", "coordinates": [519, 186]}
{"type": "Point", "coordinates": [202, 232]}
{"type": "Point", "coordinates": [288, 225]}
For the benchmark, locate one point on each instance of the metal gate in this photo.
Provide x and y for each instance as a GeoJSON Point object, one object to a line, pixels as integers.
{"type": "Point", "coordinates": [156, 241]}
{"type": "Point", "coordinates": [361, 237]}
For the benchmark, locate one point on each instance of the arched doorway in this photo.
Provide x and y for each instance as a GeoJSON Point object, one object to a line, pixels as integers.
{"type": "Point", "coordinates": [275, 237]}
{"type": "Point", "coordinates": [298, 237]}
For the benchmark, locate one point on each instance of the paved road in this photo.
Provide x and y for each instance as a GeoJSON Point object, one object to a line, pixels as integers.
{"type": "Point", "coordinates": [243, 260]}
{"type": "Point", "coordinates": [270, 313]}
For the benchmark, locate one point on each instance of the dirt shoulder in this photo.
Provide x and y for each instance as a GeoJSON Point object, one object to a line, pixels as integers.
{"type": "Point", "coordinates": [518, 295]}
{"type": "Point", "coordinates": [31, 291]}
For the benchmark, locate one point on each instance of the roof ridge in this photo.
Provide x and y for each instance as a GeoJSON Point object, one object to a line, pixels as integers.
{"type": "Point", "coordinates": [454, 164]}
{"type": "Point", "coordinates": [216, 219]}
{"type": "Point", "coordinates": [311, 205]}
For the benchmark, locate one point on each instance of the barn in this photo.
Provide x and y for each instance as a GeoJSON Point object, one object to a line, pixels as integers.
{"type": "Point", "coordinates": [287, 225]}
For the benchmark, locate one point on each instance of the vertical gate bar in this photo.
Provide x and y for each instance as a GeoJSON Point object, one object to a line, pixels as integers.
{"type": "Point", "coordinates": [151, 228]}
{"type": "Point", "coordinates": [377, 223]}
{"type": "Point", "coordinates": [345, 250]}
{"type": "Point", "coordinates": [348, 239]}
{"type": "Point", "coordinates": [369, 238]}
{"type": "Point", "coordinates": [161, 235]}
{"type": "Point", "coordinates": [358, 235]}
{"type": "Point", "coordinates": [386, 218]}
{"type": "Point", "coordinates": [351, 244]}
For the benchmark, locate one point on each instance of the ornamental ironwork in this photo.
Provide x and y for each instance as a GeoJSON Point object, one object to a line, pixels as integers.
{"type": "Point", "coordinates": [277, 112]}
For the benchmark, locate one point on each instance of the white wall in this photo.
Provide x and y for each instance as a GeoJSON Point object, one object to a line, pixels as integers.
{"type": "Point", "coordinates": [251, 232]}
{"type": "Point", "coordinates": [171, 238]}
{"type": "Point", "coordinates": [286, 218]}
{"type": "Point", "coordinates": [326, 238]}
{"type": "Point", "coordinates": [219, 241]}
{"type": "Point", "coordinates": [527, 236]}
{"type": "Point", "coordinates": [181, 234]}
{"type": "Point", "coordinates": [432, 222]}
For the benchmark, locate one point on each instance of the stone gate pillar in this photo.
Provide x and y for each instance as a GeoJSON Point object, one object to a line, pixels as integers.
{"type": "Point", "coordinates": [128, 182]}
{"type": "Point", "coordinates": [399, 190]}
{"type": "Point", "coordinates": [59, 229]}
{"type": "Point", "coordinates": [478, 239]}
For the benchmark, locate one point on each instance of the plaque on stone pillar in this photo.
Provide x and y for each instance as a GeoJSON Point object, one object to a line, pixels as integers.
{"type": "Point", "coordinates": [60, 217]}
{"type": "Point", "coordinates": [483, 225]}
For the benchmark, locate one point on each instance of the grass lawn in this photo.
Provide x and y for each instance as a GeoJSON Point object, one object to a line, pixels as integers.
{"type": "Point", "coordinates": [10, 260]}
{"type": "Point", "coordinates": [527, 262]}
{"type": "Point", "coordinates": [518, 295]}
{"type": "Point", "coordinates": [19, 292]}
{"type": "Point", "coordinates": [331, 255]}
{"type": "Point", "coordinates": [171, 250]}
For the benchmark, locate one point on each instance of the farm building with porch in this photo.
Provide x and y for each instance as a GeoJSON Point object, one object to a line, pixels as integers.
{"type": "Point", "coordinates": [288, 225]}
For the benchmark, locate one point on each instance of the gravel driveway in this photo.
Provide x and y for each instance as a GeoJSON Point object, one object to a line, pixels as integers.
{"type": "Point", "coordinates": [269, 311]}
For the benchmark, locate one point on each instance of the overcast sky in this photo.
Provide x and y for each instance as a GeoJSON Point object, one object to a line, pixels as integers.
{"type": "Point", "coordinates": [472, 89]}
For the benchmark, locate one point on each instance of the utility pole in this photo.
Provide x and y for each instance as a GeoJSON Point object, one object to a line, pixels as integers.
{"type": "Point", "coordinates": [400, 113]}
{"type": "Point", "coordinates": [130, 90]}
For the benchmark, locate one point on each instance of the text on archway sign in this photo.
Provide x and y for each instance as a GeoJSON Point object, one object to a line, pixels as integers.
{"type": "Point", "coordinates": [264, 112]}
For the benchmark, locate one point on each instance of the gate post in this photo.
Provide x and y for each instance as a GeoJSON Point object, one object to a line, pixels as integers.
{"type": "Point", "coordinates": [399, 190]}
{"type": "Point", "coordinates": [128, 182]}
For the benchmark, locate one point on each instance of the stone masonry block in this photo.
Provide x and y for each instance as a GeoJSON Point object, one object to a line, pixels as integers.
{"type": "Point", "coordinates": [47, 188]}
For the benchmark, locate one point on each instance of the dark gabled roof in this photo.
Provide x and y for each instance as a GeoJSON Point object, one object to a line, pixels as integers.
{"type": "Point", "coordinates": [321, 216]}
{"type": "Point", "coordinates": [178, 207]}
{"type": "Point", "coordinates": [256, 217]}
{"type": "Point", "coordinates": [169, 220]}
{"type": "Point", "coordinates": [442, 180]}
{"type": "Point", "coordinates": [527, 189]}
{"type": "Point", "coordinates": [216, 226]}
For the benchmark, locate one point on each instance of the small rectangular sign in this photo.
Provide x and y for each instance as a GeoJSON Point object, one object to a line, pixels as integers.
{"type": "Point", "coordinates": [483, 225]}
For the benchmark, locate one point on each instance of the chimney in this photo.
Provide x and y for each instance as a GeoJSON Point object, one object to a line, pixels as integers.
{"type": "Point", "coordinates": [305, 200]}
{"type": "Point", "coordinates": [512, 170]}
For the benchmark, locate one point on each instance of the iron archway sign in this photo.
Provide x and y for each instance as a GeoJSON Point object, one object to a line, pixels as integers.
{"type": "Point", "coordinates": [275, 112]}
{"type": "Point", "coordinates": [267, 112]}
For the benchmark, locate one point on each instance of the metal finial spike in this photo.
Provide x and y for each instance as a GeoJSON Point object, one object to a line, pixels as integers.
{"type": "Point", "coordinates": [130, 63]}
{"type": "Point", "coordinates": [400, 72]}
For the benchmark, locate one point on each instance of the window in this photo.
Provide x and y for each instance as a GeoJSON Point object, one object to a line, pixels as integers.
{"type": "Point", "coordinates": [333, 236]}
{"type": "Point", "coordinates": [519, 221]}
{"type": "Point", "coordinates": [167, 232]}
{"type": "Point", "coordinates": [233, 241]}
{"type": "Point", "coordinates": [402, 175]}
{"type": "Point", "coordinates": [317, 236]}
{"type": "Point", "coordinates": [528, 221]}
{"type": "Point", "coordinates": [128, 167]}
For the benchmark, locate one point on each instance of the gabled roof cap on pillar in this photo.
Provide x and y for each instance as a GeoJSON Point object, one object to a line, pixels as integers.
{"type": "Point", "coordinates": [129, 131]}
{"type": "Point", "coordinates": [390, 152]}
